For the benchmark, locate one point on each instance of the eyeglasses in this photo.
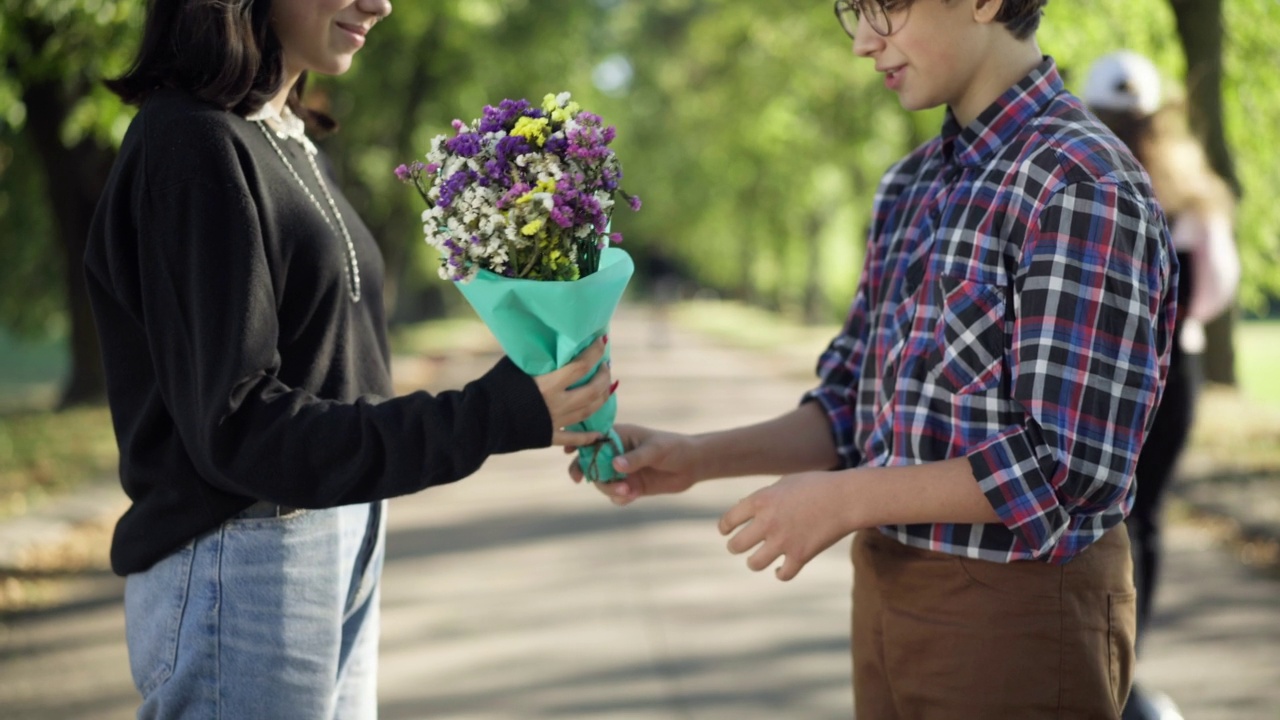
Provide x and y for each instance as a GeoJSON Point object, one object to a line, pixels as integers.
{"type": "Point", "coordinates": [877, 13]}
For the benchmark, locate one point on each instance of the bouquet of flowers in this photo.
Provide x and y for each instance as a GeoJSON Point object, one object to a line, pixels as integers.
{"type": "Point", "coordinates": [519, 204]}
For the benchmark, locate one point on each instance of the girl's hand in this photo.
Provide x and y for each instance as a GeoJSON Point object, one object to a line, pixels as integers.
{"type": "Point", "coordinates": [568, 407]}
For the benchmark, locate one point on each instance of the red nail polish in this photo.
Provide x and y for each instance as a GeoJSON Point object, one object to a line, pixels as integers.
{"type": "Point", "coordinates": [613, 388]}
{"type": "Point", "coordinates": [606, 338]}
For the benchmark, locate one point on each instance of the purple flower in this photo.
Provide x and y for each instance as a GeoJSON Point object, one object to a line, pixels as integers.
{"type": "Point", "coordinates": [509, 147]}
{"type": "Point", "coordinates": [464, 144]}
{"type": "Point", "coordinates": [561, 215]}
{"type": "Point", "coordinates": [504, 116]}
{"type": "Point", "coordinates": [402, 172]}
{"type": "Point", "coordinates": [453, 185]}
{"type": "Point", "coordinates": [510, 196]}
{"type": "Point", "coordinates": [556, 145]}
{"type": "Point", "coordinates": [633, 201]}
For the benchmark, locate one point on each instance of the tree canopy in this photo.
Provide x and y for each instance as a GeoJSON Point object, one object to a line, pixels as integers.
{"type": "Point", "coordinates": [752, 132]}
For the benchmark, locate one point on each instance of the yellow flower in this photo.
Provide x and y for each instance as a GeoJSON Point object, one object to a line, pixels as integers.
{"type": "Point", "coordinates": [532, 129]}
{"type": "Point", "coordinates": [548, 102]}
{"type": "Point", "coordinates": [562, 115]}
{"type": "Point", "coordinates": [531, 228]}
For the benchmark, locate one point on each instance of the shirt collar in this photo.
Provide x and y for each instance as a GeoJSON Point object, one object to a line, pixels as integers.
{"type": "Point", "coordinates": [1003, 119]}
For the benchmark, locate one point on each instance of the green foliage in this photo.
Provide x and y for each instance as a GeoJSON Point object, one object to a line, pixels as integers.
{"type": "Point", "coordinates": [1251, 98]}
{"type": "Point", "coordinates": [68, 45]}
{"type": "Point", "coordinates": [75, 43]}
{"type": "Point", "coordinates": [753, 133]}
{"type": "Point", "coordinates": [30, 261]}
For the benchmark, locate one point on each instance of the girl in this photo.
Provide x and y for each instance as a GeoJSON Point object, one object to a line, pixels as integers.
{"type": "Point", "coordinates": [238, 298]}
{"type": "Point", "coordinates": [1123, 90]}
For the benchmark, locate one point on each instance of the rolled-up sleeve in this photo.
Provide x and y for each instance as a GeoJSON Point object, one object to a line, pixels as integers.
{"type": "Point", "coordinates": [1091, 331]}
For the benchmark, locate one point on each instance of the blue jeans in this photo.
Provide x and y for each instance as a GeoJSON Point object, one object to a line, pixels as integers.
{"type": "Point", "coordinates": [269, 615]}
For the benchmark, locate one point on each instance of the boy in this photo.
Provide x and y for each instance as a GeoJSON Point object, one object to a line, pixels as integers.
{"type": "Point", "coordinates": [984, 405]}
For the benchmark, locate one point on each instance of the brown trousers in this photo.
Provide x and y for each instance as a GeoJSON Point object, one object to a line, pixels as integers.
{"type": "Point", "coordinates": [940, 637]}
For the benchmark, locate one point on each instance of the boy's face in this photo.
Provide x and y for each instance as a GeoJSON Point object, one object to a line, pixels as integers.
{"type": "Point", "coordinates": [935, 53]}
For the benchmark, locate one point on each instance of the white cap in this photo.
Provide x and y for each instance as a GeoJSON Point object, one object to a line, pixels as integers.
{"type": "Point", "coordinates": [1123, 81]}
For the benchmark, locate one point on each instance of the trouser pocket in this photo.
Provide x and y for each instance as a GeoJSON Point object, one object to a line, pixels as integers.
{"type": "Point", "coordinates": [1121, 632]}
{"type": "Point", "coordinates": [154, 601]}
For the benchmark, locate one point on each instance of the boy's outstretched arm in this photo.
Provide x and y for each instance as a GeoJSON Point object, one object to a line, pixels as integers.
{"type": "Point", "coordinates": [803, 514]}
{"type": "Point", "coordinates": [658, 462]}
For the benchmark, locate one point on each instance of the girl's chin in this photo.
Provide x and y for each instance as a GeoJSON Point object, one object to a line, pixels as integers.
{"type": "Point", "coordinates": [334, 66]}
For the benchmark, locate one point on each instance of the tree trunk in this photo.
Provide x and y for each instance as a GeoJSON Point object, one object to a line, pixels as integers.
{"type": "Point", "coordinates": [75, 179]}
{"type": "Point", "coordinates": [1200, 31]}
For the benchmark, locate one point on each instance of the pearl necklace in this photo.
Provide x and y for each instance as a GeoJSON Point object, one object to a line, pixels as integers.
{"type": "Point", "coordinates": [291, 126]}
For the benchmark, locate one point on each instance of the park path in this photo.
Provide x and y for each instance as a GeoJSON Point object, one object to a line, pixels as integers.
{"type": "Point", "coordinates": [515, 594]}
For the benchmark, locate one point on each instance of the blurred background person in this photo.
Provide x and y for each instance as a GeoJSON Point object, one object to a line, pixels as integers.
{"type": "Point", "coordinates": [1124, 90]}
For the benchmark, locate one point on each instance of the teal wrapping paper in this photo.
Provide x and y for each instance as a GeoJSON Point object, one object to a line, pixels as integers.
{"type": "Point", "coordinates": [543, 324]}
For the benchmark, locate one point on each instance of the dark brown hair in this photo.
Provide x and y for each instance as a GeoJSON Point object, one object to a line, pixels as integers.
{"type": "Point", "coordinates": [222, 51]}
{"type": "Point", "coordinates": [1020, 17]}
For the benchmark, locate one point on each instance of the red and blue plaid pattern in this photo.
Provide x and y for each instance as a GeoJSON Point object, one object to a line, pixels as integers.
{"type": "Point", "coordinates": [1016, 308]}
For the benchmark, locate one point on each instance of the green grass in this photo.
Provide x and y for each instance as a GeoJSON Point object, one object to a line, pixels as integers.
{"type": "Point", "coordinates": [1257, 354]}
{"type": "Point", "coordinates": [30, 372]}
{"type": "Point", "coordinates": [44, 453]}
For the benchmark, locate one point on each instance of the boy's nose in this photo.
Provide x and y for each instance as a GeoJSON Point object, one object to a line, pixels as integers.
{"type": "Point", "coordinates": [866, 41]}
{"type": "Point", "coordinates": [377, 8]}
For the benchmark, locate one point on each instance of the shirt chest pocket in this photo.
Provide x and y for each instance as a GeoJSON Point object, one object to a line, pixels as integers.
{"type": "Point", "coordinates": [967, 356]}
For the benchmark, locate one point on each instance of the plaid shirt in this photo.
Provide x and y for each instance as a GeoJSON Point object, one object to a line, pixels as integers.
{"type": "Point", "coordinates": [1016, 308]}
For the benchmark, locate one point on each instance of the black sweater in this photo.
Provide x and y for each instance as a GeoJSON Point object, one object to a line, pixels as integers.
{"type": "Point", "coordinates": [238, 368]}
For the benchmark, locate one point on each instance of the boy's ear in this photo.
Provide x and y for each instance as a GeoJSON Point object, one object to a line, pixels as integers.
{"type": "Point", "coordinates": [985, 11]}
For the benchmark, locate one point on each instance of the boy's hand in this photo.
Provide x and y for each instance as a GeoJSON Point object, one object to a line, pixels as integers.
{"type": "Point", "coordinates": [656, 463]}
{"type": "Point", "coordinates": [798, 517]}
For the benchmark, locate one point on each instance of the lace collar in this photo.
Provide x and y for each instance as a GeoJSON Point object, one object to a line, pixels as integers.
{"type": "Point", "coordinates": [286, 125]}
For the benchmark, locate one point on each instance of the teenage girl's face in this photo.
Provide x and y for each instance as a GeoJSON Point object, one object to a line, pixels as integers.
{"type": "Point", "coordinates": [934, 55]}
{"type": "Point", "coordinates": [322, 36]}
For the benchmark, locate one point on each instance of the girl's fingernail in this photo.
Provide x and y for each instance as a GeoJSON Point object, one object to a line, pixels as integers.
{"type": "Point", "coordinates": [614, 387]}
{"type": "Point", "coordinates": [606, 338]}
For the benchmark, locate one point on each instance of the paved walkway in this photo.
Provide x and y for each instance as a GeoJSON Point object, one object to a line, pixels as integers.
{"type": "Point", "coordinates": [515, 594]}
